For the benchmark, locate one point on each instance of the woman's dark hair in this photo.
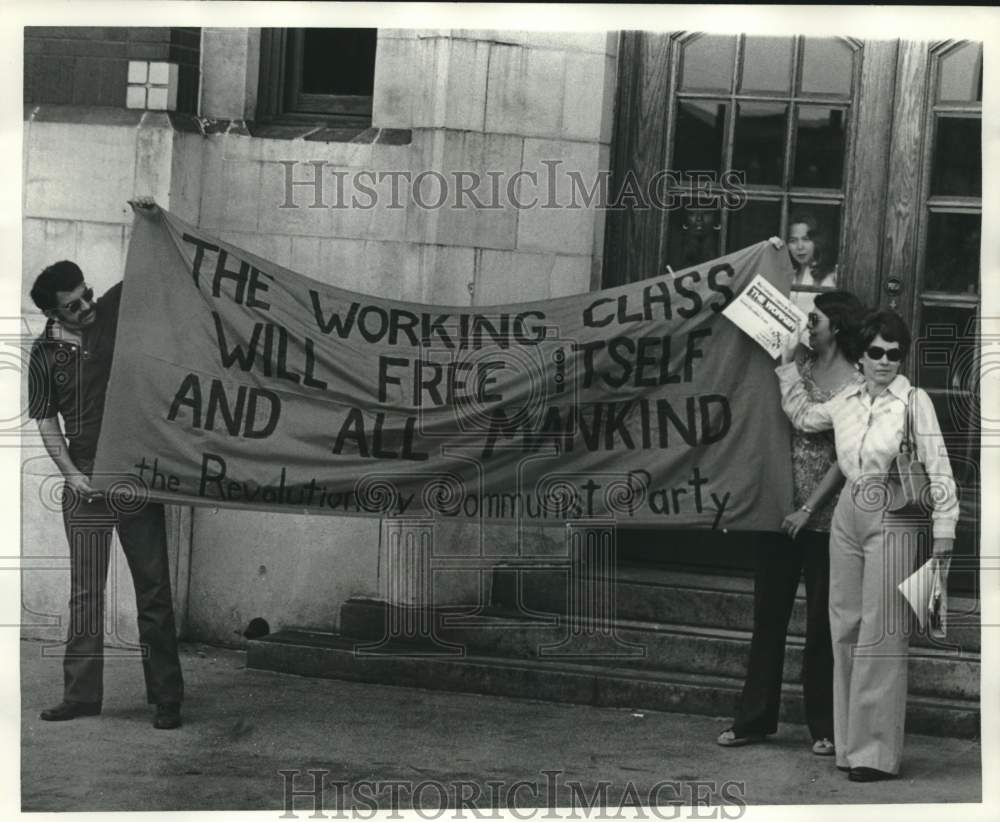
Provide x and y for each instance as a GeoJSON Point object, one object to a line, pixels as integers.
{"type": "Point", "coordinates": [845, 312]}
{"type": "Point", "coordinates": [889, 325]}
{"type": "Point", "coordinates": [62, 276]}
{"type": "Point", "coordinates": [819, 239]}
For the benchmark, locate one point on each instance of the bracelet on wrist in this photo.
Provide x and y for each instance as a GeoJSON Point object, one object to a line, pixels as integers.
{"type": "Point", "coordinates": [805, 507]}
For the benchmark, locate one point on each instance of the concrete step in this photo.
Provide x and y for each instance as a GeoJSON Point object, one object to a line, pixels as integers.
{"type": "Point", "coordinates": [632, 644]}
{"type": "Point", "coordinates": [319, 654]}
{"type": "Point", "coordinates": [653, 594]}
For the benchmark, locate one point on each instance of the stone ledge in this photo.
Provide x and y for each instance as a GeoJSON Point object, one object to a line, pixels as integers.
{"type": "Point", "coordinates": [104, 115]}
{"type": "Point", "coordinates": [85, 115]}
{"type": "Point", "coordinates": [313, 132]}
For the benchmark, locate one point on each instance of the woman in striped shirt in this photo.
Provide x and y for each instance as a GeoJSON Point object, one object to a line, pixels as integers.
{"type": "Point", "coordinates": [872, 550]}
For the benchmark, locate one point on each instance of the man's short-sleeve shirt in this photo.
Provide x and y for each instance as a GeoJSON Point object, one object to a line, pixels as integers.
{"type": "Point", "coordinates": [70, 380]}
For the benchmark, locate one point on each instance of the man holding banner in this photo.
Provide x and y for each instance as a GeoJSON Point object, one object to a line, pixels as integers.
{"type": "Point", "coordinates": [284, 393]}
{"type": "Point", "coordinates": [70, 369]}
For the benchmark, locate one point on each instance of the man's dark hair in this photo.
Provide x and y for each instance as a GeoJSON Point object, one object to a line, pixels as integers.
{"type": "Point", "coordinates": [845, 312]}
{"type": "Point", "coordinates": [890, 325]}
{"type": "Point", "coordinates": [62, 276]}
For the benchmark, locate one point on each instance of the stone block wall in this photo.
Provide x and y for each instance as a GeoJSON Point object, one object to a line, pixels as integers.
{"type": "Point", "coordinates": [509, 103]}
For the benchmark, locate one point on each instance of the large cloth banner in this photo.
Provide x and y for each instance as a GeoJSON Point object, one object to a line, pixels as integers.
{"type": "Point", "coordinates": [239, 383]}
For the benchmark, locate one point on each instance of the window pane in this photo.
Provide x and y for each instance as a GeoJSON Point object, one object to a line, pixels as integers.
{"type": "Point", "coordinates": [693, 237]}
{"type": "Point", "coordinates": [827, 67]}
{"type": "Point", "coordinates": [961, 78]}
{"type": "Point", "coordinates": [945, 352]}
{"type": "Point", "coordinates": [759, 145]}
{"type": "Point", "coordinates": [698, 142]}
{"type": "Point", "coordinates": [958, 157]}
{"type": "Point", "coordinates": [819, 151]}
{"type": "Point", "coordinates": [756, 221]}
{"type": "Point", "coordinates": [953, 253]}
{"type": "Point", "coordinates": [708, 64]}
{"type": "Point", "coordinates": [823, 222]}
{"type": "Point", "coordinates": [947, 364]}
{"type": "Point", "coordinates": [767, 64]}
{"type": "Point", "coordinates": [958, 416]}
{"type": "Point", "coordinates": [338, 61]}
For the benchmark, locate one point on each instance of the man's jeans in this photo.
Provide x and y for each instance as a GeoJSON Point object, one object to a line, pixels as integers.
{"type": "Point", "coordinates": [143, 536]}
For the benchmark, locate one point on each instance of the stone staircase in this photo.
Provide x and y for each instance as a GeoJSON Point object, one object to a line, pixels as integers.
{"type": "Point", "coordinates": [678, 641]}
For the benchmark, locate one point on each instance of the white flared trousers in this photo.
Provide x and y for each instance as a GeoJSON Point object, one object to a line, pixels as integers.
{"type": "Point", "coordinates": [871, 552]}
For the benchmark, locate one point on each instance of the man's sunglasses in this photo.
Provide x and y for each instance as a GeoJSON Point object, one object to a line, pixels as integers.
{"type": "Point", "coordinates": [876, 352]}
{"type": "Point", "coordinates": [812, 319]}
{"type": "Point", "coordinates": [76, 305]}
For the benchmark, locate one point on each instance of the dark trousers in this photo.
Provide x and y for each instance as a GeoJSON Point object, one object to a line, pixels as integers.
{"type": "Point", "coordinates": [780, 564]}
{"type": "Point", "coordinates": [143, 536]}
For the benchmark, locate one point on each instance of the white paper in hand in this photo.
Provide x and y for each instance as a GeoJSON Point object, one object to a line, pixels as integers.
{"type": "Point", "coordinates": [924, 590]}
{"type": "Point", "coordinates": [766, 315]}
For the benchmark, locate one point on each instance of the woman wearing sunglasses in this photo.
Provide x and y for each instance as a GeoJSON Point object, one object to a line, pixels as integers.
{"type": "Point", "coordinates": [872, 550]}
{"type": "Point", "coordinates": [825, 369]}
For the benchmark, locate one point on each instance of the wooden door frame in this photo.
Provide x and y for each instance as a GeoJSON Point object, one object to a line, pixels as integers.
{"type": "Point", "coordinates": [902, 218]}
{"type": "Point", "coordinates": [635, 238]}
{"type": "Point", "coordinates": [883, 221]}
{"type": "Point", "coordinates": [867, 199]}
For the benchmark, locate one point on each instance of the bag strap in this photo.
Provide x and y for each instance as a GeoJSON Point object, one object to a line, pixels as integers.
{"type": "Point", "coordinates": [906, 445]}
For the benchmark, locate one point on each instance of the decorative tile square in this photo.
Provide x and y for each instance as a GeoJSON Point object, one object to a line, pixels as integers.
{"type": "Point", "coordinates": [152, 85]}
{"type": "Point", "coordinates": [157, 99]}
{"type": "Point", "coordinates": [135, 97]}
{"type": "Point", "coordinates": [159, 73]}
{"type": "Point", "coordinates": [137, 71]}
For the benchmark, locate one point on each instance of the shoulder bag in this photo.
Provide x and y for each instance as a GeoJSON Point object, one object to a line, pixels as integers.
{"type": "Point", "coordinates": [907, 481]}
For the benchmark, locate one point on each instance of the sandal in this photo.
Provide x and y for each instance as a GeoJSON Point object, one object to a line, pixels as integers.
{"type": "Point", "coordinates": [729, 739]}
{"type": "Point", "coordinates": [824, 747]}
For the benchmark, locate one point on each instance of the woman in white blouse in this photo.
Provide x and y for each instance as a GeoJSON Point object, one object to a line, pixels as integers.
{"type": "Point", "coordinates": [807, 246]}
{"type": "Point", "coordinates": [871, 550]}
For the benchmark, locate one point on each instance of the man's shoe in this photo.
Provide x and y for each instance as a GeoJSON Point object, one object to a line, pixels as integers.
{"type": "Point", "coordinates": [168, 716]}
{"type": "Point", "coordinates": [729, 739]}
{"type": "Point", "coordinates": [70, 710]}
{"type": "Point", "coordinates": [868, 775]}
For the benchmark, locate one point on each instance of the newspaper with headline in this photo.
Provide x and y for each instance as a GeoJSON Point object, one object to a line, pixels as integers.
{"type": "Point", "coordinates": [767, 316]}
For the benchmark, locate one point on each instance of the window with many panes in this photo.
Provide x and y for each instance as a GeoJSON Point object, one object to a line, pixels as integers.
{"type": "Point", "coordinates": [778, 111]}
{"type": "Point", "coordinates": [947, 311]}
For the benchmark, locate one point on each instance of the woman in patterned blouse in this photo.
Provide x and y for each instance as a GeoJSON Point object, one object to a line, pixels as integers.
{"type": "Point", "coordinates": [825, 370]}
{"type": "Point", "coordinates": [871, 549]}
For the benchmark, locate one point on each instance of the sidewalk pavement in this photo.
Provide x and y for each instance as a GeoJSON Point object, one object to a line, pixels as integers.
{"type": "Point", "coordinates": [242, 727]}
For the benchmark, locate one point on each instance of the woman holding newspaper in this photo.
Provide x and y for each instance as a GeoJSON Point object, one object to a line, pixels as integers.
{"type": "Point", "coordinates": [825, 368]}
{"type": "Point", "coordinates": [871, 549]}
